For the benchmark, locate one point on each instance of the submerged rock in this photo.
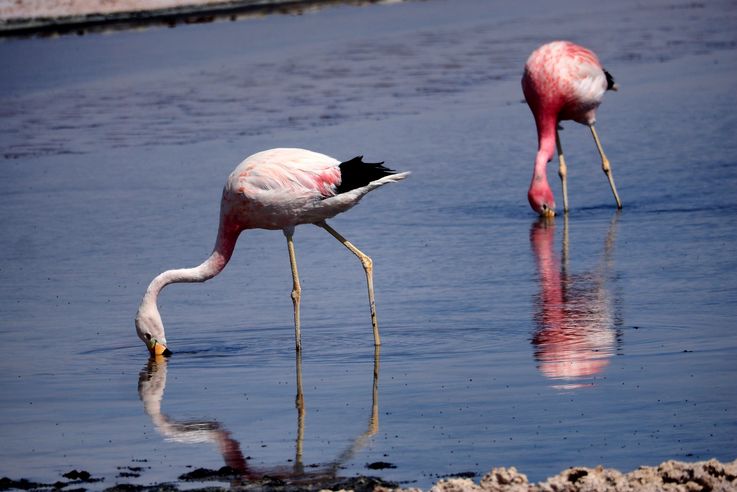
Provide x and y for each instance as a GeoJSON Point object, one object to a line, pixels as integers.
{"type": "Point", "coordinates": [22, 484]}
{"type": "Point", "coordinates": [380, 465]}
{"type": "Point", "coordinates": [202, 474]}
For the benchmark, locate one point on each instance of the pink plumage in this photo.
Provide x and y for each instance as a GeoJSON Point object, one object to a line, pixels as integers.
{"type": "Point", "coordinates": [562, 81]}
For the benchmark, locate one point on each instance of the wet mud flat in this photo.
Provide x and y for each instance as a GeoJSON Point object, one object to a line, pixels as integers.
{"type": "Point", "coordinates": [225, 478]}
{"type": "Point", "coordinates": [671, 475]}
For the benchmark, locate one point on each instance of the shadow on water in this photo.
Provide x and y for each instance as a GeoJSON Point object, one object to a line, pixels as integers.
{"type": "Point", "coordinates": [577, 324]}
{"type": "Point", "coordinates": [151, 386]}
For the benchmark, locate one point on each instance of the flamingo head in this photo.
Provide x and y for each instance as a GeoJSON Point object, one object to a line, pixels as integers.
{"type": "Point", "coordinates": [541, 198]}
{"type": "Point", "coordinates": [150, 330]}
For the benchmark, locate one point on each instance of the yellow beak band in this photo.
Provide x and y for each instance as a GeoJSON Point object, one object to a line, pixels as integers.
{"type": "Point", "coordinates": [156, 348]}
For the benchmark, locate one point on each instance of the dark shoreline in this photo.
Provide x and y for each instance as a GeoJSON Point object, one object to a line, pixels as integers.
{"type": "Point", "coordinates": [168, 17]}
{"type": "Point", "coordinates": [670, 475]}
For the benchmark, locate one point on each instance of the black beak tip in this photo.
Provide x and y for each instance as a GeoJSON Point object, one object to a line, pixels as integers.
{"type": "Point", "coordinates": [167, 353]}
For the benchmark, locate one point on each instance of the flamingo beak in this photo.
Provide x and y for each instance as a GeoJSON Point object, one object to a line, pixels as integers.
{"type": "Point", "coordinates": [548, 213]}
{"type": "Point", "coordinates": [158, 348]}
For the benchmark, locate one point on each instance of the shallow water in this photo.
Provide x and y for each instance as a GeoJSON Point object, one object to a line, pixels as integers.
{"type": "Point", "coordinates": [604, 339]}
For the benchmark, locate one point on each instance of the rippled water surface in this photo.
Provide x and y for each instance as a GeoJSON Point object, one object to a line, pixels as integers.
{"type": "Point", "coordinates": [607, 338]}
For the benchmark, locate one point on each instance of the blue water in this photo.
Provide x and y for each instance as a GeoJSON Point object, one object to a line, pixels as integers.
{"type": "Point", "coordinates": [605, 339]}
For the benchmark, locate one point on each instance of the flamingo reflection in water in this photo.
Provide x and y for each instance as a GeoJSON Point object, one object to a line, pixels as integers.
{"type": "Point", "coordinates": [576, 315]}
{"type": "Point", "coordinates": [151, 385]}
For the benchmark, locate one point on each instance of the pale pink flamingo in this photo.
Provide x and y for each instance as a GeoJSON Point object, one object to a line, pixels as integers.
{"type": "Point", "coordinates": [562, 81]}
{"type": "Point", "coordinates": [275, 189]}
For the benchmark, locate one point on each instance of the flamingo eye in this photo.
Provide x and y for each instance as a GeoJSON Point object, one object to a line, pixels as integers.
{"type": "Point", "coordinates": [148, 336]}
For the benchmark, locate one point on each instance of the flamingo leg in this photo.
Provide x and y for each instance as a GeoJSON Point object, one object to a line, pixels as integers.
{"type": "Point", "coordinates": [296, 289]}
{"type": "Point", "coordinates": [605, 166]}
{"type": "Point", "coordinates": [373, 427]}
{"type": "Point", "coordinates": [368, 266]}
{"type": "Point", "coordinates": [300, 404]}
{"type": "Point", "coordinates": [562, 171]}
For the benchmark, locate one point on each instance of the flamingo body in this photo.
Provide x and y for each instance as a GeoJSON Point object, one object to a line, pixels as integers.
{"type": "Point", "coordinates": [562, 81]}
{"type": "Point", "coordinates": [282, 188]}
{"type": "Point", "coordinates": [274, 189]}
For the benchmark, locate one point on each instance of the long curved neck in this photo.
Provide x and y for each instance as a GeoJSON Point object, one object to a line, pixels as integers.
{"type": "Point", "coordinates": [546, 129]}
{"type": "Point", "coordinates": [224, 245]}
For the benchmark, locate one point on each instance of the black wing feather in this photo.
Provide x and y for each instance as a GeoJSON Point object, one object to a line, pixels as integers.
{"type": "Point", "coordinates": [355, 173]}
{"type": "Point", "coordinates": [609, 81]}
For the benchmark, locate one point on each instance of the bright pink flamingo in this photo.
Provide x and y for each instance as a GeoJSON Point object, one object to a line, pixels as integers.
{"type": "Point", "coordinates": [275, 189]}
{"type": "Point", "coordinates": [562, 81]}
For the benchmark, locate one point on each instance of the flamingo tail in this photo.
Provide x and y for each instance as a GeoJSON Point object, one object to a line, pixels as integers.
{"type": "Point", "coordinates": [356, 174]}
{"type": "Point", "coordinates": [611, 85]}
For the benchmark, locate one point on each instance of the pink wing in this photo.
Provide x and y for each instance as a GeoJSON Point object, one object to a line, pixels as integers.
{"type": "Point", "coordinates": [585, 74]}
{"type": "Point", "coordinates": [292, 172]}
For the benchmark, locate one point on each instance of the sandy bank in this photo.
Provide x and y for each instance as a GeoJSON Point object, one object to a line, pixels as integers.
{"type": "Point", "coordinates": [673, 476]}
{"type": "Point", "coordinates": [31, 17]}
